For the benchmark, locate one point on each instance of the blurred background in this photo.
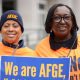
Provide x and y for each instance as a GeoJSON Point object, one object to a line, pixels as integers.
{"type": "Point", "coordinates": [34, 14]}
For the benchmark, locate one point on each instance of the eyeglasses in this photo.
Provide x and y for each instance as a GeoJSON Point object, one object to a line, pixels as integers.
{"type": "Point", "coordinates": [66, 18]}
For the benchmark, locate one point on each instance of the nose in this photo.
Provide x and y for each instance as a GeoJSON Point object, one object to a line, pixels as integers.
{"type": "Point", "coordinates": [10, 28]}
{"type": "Point", "coordinates": [62, 21]}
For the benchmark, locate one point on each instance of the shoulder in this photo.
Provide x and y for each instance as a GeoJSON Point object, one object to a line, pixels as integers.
{"type": "Point", "coordinates": [28, 52]}
{"type": "Point", "coordinates": [1, 43]}
{"type": "Point", "coordinates": [43, 46]}
{"type": "Point", "coordinates": [78, 39]}
{"type": "Point", "coordinates": [28, 49]}
{"type": "Point", "coordinates": [44, 42]}
{"type": "Point", "coordinates": [25, 49]}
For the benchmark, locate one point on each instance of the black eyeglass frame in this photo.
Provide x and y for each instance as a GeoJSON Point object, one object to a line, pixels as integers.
{"type": "Point", "coordinates": [58, 19]}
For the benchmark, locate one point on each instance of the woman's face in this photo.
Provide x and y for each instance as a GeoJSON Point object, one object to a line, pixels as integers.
{"type": "Point", "coordinates": [62, 22]}
{"type": "Point", "coordinates": [11, 32]}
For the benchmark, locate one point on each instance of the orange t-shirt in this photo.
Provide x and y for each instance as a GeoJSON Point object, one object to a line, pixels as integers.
{"type": "Point", "coordinates": [43, 50]}
{"type": "Point", "coordinates": [8, 51]}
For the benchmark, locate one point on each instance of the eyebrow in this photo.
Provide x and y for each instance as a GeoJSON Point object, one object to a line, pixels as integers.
{"type": "Point", "coordinates": [62, 15]}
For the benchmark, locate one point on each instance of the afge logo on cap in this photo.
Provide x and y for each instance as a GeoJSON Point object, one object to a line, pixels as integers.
{"type": "Point", "coordinates": [12, 16]}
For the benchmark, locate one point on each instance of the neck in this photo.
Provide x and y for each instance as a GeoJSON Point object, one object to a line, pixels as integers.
{"type": "Point", "coordinates": [20, 44]}
{"type": "Point", "coordinates": [63, 38]}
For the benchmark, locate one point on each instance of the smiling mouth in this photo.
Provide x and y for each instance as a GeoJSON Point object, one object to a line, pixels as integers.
{"type": "Point", "coordinates": [11, 35]}
{"type": "Point", "coordinates": [62, 28]}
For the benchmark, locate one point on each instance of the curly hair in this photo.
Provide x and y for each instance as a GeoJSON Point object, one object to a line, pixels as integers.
{"type": "Point", "coordinates": [49, 19]}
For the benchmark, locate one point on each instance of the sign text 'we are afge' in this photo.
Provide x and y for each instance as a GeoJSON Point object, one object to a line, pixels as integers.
{"type": "Point", "coordinates": [28, 68]}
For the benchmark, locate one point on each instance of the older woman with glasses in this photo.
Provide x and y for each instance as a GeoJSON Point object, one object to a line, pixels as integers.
{"type": "Point", "coordinates": [62, 40]}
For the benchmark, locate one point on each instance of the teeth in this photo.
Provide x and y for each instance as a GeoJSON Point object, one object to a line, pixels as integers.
{"type": "Point", "coordinates": [62, 28]}
{"type": "Point", "coordinates": [11, 35]}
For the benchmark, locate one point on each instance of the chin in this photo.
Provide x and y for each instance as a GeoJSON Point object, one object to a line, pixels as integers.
{"type": "Point", "coordinates": [11, 41]}
{"type": "Point", "coordinates": [62, 34]}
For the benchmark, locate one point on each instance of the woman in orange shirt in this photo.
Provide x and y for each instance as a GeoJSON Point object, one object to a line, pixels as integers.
{"type": "Point", "coordinates": [11, 28]}
{"type": "Point", "coordinates": [62, 40]}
